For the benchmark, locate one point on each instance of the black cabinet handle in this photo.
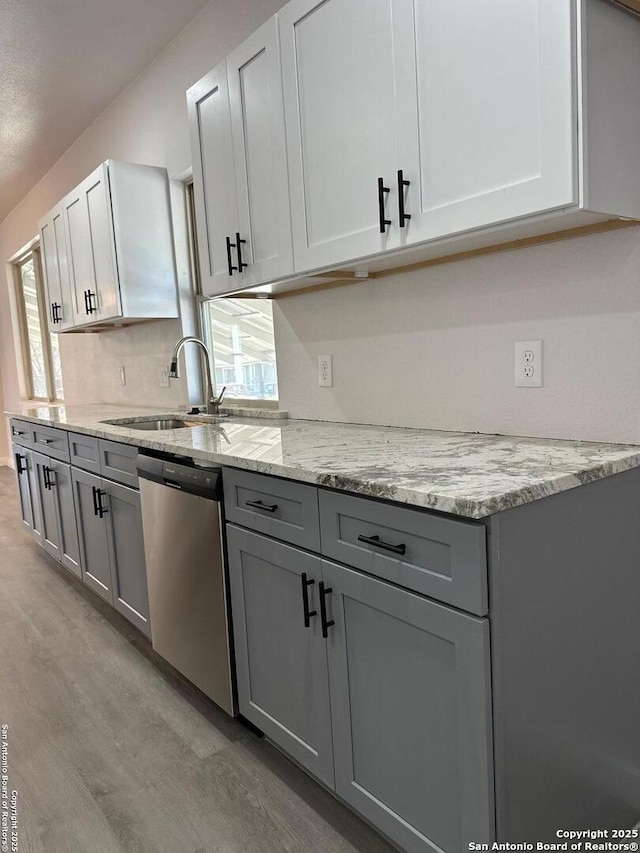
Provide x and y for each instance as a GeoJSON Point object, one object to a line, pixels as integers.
{"type": "Point", "coordinates": [382, 190]}
{"type": "Point", "coordinates": [305, 600]}
{"type": "Point", "coordinates": [230, 266]}
{"type": "Point", "coordinates": [324, 592]}
{"type": "Point", "coordinates": [260, 505]}
{"type": "Point", "coordinates": [102, 510]}
{"type": "Point", "coordinates": [55, 317]}
{"type": "Point", "coordinates": [19, 460]}
{"type": "Point", "coordinates": [89, 307]}
{"type": "Point", "coordinates": [95, 500]}
{"type": "Point", "coordinates": [47, 481]}
{"type": "Point", "coordinates": [386, 546]}
{"type": "Point", "coordinates": [402, 215]}
{"type": "Point", "coordinates": [239, 243]}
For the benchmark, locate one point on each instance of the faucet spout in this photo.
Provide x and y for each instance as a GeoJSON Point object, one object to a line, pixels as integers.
{"type": "Point", "coordinates": [213, 402]}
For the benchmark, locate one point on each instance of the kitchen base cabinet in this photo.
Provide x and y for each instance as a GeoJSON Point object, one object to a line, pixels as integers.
{"type": "Point", "coordinates": [109, 524]}
{"type": "Point", "coordinates": [62, 488]}
{"type": "Point", "coordinates": [92, 532]}
{"type": "Point", "coordinates": [23, 462]}
{"type": "Point", "coordinates": [410, 712]}
{"type": "Point", "coordinates": [283, 682]}
{"type": "Point", "coordinates": [47, 500]}
{"type": "Point", "coordinates": [126, 553]}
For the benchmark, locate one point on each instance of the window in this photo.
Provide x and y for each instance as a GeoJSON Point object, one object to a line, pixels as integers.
{"type": "Point", "coordinates": [239, 334]}
{"type": "Point", "coordinates": [41, 354]}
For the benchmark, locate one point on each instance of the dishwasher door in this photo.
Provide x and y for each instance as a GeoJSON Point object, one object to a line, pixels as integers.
{"type": "Point", "coordinates": [187, 587]}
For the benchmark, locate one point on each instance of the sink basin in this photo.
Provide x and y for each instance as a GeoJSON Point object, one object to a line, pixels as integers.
{"type": "Point", "coordinates": [163, 424]}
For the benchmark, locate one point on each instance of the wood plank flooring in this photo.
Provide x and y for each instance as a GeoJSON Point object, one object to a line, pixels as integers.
{"type": "Point", "coordinates": [111, 751]}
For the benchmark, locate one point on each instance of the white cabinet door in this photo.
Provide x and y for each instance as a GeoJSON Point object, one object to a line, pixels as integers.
{"type": "Point", "coordinates": [56, 274]}
{"type": "Point", "coordinates": [214, 181]}
{"type": "Point", "coordinates": [91, 249]}
{"type": "Point", "coordinates": [259, 148]}
{"type": "Point", "coordinates": [487, 118]}
{"type": "Point", "coordinates": [339, 82]}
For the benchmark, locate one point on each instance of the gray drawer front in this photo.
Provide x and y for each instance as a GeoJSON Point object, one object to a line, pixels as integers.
{"type": "Point", "coordinates": [118, 462]}
{"type": "Point", "coordinates": [295, 518]}
{"type": "Point", "coordinates": [443, 559]}
{"type": "Point", "coordinates": [20, 432]}
{"type": "Point", "coordinates": [50, 441]}
{"type": "Point", "coordinates": [83, 452]}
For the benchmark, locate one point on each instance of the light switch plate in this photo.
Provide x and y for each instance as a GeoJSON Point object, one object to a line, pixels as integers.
{"type": "Point", "coordinates": [325, 371]}
{"type": "Point", "coordinates": [528, 364]}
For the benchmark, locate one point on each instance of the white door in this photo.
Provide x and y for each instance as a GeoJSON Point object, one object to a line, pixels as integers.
{"type": "Point", "coordinates": [260, 155]}
{"type": "Point", "coordinates": [487, 119]}
{"type": "Point", "coordinates": [214, 182]}
{"type": "Point", "coordinates": [91, 249]}
{"type": "Point", "coordinates": [340, 106]}
{"type": "Point", "coordinates": [59, 307]}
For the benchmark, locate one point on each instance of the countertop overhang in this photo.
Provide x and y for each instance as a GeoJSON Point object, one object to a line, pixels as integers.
{"type": "Point", "coordinates": [465, 474]}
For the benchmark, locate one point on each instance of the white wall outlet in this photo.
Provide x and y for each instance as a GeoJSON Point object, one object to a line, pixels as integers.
{"type": "Point", "coordinates": [528, 364]}
{"type": "Point", "coordinates": [325, 371]}
{"type": "Point", "coordinates": [164, 377]}
{"type": "Point", "coordinates": [123, 375]}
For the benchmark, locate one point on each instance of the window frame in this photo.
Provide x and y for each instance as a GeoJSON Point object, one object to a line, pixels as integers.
{"type": "Point", "coordinates": [17, 263]}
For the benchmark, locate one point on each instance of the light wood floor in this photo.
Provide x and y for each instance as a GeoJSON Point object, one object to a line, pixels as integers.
{"type": "Point", "coordinates": [111, 751]}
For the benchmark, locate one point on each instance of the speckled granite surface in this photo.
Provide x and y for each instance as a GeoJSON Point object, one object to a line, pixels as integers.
{"type": "Point", "coordinates": [464, 474]}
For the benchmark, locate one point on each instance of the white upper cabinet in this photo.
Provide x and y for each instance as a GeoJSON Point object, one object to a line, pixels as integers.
{"type": "Point", "coordinates": [487, 118]}
{"type": "Point", "coordinates": [214, 180]}
{"type": "Point", "coordinates": [260, 157]}
{"type": "Point", "coordinates": [108, 249]}
{"type": "Point", "coordinates": [91, 249]}
{"type": "Point", "coordinates": [340, 92]}
{"type": "Point", "coordinates": [236, 120]}
{"type": "Point", "coordinates": [59, 306]}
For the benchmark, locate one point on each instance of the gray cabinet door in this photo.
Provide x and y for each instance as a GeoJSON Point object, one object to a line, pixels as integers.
{"type": "Point", "coordinates": [65, 509]}
{"type": "Point", "coordinates": [22, 462]}
{"type": "Point", "coordinates": [34, 497]}
{"type": "Point", "coordinates": [410, 708]}
{"type": "Point", "coordinates": [126, 552]}
{"type": "Point", "coordinates": [47, 500]}
{"type": "Point", "coordinates": [283, 683]}
{"type": "Point", "coordinates": [92, 533]}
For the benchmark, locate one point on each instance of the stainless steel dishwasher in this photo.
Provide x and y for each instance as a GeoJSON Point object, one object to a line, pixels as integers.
{"type": "Point", "coordinates": [181, 518]}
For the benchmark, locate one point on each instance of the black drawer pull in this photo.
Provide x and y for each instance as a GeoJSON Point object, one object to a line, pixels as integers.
{"type": "Point", "coordinates": [260, 505]}
{"type": "Point", "coordinates": [239, 243]}
{"type": "Point", "coordinates": [230, 266]}
{"type": "Point", "coordinates": [402, 216]}
{"type": "Point", "coordinates": [18, 431]}
{"type": "Point", "coordinates": [324, 592]}
{"type": "Point", "coordinates": [382, 190]}
{"type": "Point", "coordinates": [386, 546]}
{"type": "Point", "coordinates": [45, 440]}
{"type": "Point", "coordinates": [19, 460]}
{"type": "Point", "coordinates": [305, 600]}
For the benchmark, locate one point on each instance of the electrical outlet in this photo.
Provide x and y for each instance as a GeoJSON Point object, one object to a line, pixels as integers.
{"type": "Point", "coordinates": [123, 375]}
{"type": "Point", "coordinates": [528, 364]}
{"type": "Point", "coordinates": [325, 371]}
{"type": "Point", "coordinates": [164, 377]}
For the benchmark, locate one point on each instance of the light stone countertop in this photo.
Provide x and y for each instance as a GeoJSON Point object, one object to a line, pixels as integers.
{"type": "Point", "coordinates": [465, 474]}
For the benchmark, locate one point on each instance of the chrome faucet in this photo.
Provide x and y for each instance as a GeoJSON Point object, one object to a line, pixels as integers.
{"type": "Point", "coordinates": [213, 402]}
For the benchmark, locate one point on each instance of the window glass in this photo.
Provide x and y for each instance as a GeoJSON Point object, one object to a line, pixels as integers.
{"type": "Point", "coordinates": [239, 333]}
{"type": "Point", "coordinates": [33, 329]}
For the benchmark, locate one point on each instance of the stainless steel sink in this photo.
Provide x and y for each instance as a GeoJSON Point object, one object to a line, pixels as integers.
{"type": "Point", "coordinates": [162, 424]}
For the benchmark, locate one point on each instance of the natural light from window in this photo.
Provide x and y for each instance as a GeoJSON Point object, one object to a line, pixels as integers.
{"type": "Point", "coordinates": [239, 333]}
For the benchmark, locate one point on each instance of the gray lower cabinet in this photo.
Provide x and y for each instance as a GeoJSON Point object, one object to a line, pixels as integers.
{"type": "Point", "coordinates": [92, 533]}
{"type": "Point", "coordinates": [62, 488]}
{"type": "Point", "coordinates": [47, 500]}
{"type": "Point", "coordinates": [411, 712]}
{"type": "Point", "coordinates": [22, 458]}
{"type": "Point", "coordinates": [126, 553]}
{"type": "Point", "coordinates": [283, 681]}
{"type": "Point", "coordinates": [109, 524]}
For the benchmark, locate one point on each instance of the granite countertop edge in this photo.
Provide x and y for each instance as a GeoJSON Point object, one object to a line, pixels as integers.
{"type": "Point", "coordinates": [473, 506]}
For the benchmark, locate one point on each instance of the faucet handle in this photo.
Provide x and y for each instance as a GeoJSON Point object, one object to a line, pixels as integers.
{"type": "Point", "coordinates": [217, 400]}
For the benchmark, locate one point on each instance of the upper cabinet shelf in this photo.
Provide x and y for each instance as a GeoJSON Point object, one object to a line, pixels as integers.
{"type": "Point", "coordinates": [414, 129]}
{"type": "Point", "coordinates": [108, 250]}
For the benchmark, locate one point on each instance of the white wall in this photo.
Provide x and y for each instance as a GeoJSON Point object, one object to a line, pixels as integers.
{"type": "Point", "coordinates": [435, 348]}
{"type": "Point", "coordinates": [147, 123]}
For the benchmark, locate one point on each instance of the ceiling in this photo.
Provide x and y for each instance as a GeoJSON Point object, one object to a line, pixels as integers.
{"type": "Point", "coordinates": [61, 63]}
